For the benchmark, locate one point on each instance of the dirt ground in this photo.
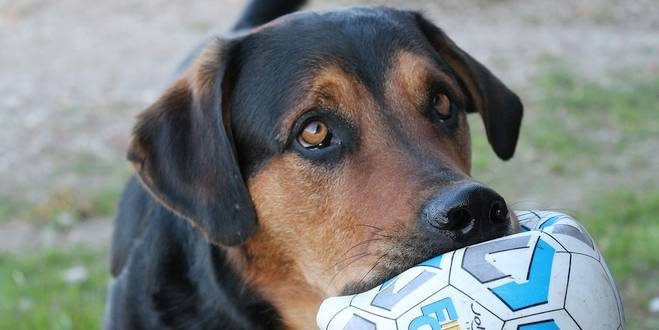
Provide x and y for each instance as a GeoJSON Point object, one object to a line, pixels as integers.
{"type": "Point", "coordinates": [74, 73]}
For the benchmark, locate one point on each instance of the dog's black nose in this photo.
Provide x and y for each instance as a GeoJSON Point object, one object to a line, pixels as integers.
{"type": "Point", "coordinates": [467, 208]}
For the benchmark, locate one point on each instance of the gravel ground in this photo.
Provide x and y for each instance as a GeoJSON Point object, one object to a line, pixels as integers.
{"type": "Point", "coordinates": [74, 73]}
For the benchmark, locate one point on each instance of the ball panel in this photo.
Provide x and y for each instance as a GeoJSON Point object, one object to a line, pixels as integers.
{"type": "Point", "coordinates": [591, 300]}
{"type": "Point", "coordinates": [479, 262]}
{"type": "Point", "coordinates": [538, 220]}
{"type": "Point", "coordinates": [557, 319]}
{"type": "Point", "coordinates": [542, 325]}
{"type": "Point", "coordinates": [616, 292]}
{"type": "Point", "coordinates": [528, 220]}
{"type": "Point", "coordinates": [534, 286]}
{"type": "Point", "coordinates": [354, 318]}
{"type": "Point", "coordinates": [449, 309]}
{"type": "Point", "coordinates": [330, 307]}
{"type": "Point", "coordinates": [573, 237]}
{"type": "Point", "coordinates": [535, 291]}
{"type": "Point", "coordinates": [398, 295]}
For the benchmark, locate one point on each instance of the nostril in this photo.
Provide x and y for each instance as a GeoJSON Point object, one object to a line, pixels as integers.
{"type": "Point", "coordinates": [499, 212]}
{"type": "Point", "coordinates": [459, 218]}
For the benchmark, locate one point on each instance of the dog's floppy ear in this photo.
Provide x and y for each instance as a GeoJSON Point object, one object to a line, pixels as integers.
{"type": "Point", "coordinates": [183, 152]}
{"type": "Point", "coordinates": [500, 108]}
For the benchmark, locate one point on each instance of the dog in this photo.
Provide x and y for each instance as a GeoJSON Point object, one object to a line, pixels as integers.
{"type": "Point", "coordinates": [306, 155]}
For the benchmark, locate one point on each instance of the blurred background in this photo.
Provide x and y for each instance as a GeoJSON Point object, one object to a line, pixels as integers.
{"type": "Point", "coordinates": [74, 73]}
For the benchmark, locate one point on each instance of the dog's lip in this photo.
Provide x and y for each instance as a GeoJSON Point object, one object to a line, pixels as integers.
{"type": "Point", "coordinates": [384, 272]}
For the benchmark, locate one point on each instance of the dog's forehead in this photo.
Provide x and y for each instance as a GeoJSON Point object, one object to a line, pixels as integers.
{"type": "Point", "coordinates": [278, 64]}
{"type": "Point", "coordinates": [361, 40]}
{"type": "Point", "coordinates": [280, 60]}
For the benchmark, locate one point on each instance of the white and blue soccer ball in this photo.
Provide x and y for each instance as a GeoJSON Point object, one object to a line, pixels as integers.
{"type": "Point", "coordinates": [550, 276]}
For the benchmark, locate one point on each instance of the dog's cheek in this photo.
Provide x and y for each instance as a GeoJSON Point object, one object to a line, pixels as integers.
{"type": "Point", "coordinates": [294, 209]}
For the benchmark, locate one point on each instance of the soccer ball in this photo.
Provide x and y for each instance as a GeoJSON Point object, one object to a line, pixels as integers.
{"type": "Point", "coordinates": [550, 276]}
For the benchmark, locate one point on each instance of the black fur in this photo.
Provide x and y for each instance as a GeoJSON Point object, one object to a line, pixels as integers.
{"type": "Point", "coordinates": [198, 180]}
{"type": "Point", "coordinates": [167, 275]}
{"type": "Point", "coordinates": [170, 275]}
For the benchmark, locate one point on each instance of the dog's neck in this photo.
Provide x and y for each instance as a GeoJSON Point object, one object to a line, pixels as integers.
{"type": "Point", "coordinates": [278, 282]}
{"type": "Point", "coordinates": [238, 304]}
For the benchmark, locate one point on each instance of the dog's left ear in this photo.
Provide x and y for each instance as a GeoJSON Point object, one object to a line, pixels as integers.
{"type": "Point", "coordinates": [183, 152]}
{"type": "Point", "coordinates": [500, 108]}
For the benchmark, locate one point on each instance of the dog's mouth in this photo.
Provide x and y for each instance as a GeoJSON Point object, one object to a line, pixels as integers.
{"type": "Point", "coordinates": [407, 252]}
{"type": "Point", "coordinates": [396, 261]}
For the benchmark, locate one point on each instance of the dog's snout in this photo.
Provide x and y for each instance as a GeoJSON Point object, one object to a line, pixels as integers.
{"type": "Point", "coordinates": [465, 209]}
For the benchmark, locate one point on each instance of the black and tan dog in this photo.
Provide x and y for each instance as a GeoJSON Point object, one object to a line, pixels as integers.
{"type": "Point", "coordinates": [314, 155]}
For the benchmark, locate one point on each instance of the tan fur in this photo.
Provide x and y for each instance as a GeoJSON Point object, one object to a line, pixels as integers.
{"type": "Point", "coordinates": [412, 74]}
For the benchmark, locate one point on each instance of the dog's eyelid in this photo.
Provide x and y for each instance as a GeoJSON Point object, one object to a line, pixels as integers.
{"type": "Point", "coordinates": [445, 83]}
{"type": "Point", "coordinates": [443, 104]}
{"type": "Point", "coordinates": [322, 113]}
{"type": "Point", "coordinates": [441, 87]}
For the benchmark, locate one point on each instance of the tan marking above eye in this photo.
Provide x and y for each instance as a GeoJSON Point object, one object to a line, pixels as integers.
{"type": "Point", "coordinates": [442, 105]}
{"type": "Point", "coordinates": [314, 134]}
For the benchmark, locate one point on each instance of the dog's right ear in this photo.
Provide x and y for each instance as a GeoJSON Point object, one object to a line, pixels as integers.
{"type": "Point", "coordinates": [500, 108]}
{"type": "Point", "coordinates": [183, 152]}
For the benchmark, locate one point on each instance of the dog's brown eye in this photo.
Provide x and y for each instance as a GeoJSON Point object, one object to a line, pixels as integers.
{"type": "Point", "coordinates": [315, 135]}
{"type": "Point", "coordinates": [442, 105]}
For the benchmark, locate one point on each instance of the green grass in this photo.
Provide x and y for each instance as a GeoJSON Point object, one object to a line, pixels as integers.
{"type": "Point", "coordinates": [9, 208]}
{"type": "Point", "coordinates": [628, 104]}
{"type": "Point", "coordinates": [66, 206]}
{"type": "Point", "coordinates": [576, 120]}
{"type": "Point", "coordinates": [94, 194]}
{"type": "Point", "coordinates": [627, 223]}
{"type": "Point", "coordinates": [34, 294]}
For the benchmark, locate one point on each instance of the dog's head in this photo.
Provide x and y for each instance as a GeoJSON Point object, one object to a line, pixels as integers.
{"type": "Point", "coordinates": [327, 152]}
